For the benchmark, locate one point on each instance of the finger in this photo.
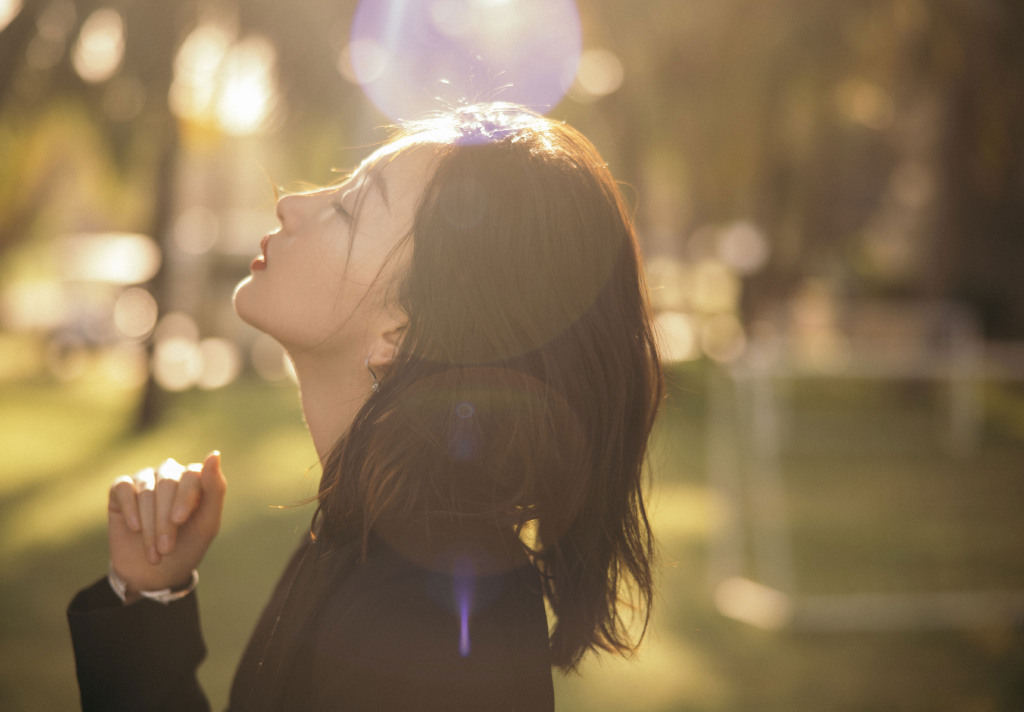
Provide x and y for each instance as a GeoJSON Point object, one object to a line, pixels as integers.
{"type": "Point", "coordinates": [123, 501]}
{"type": "Point", "coordinates": [170, 469]}
{"type": "Point", "coordinates": [189, 493]}
{"type": "Point", "coordinates": [214, 486]}
{"type": "Point", "coordinates": [167, 478]}
{"type": "Point", "coordinates": [166, 530]}
{"type": "Point", "coordinates": [213, 480]}
{"type": "Point", "coordinates": [145, 485]}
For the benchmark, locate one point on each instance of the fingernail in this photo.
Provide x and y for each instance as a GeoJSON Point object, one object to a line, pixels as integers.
{"type": "Point", "coordinates": [133, 523]}
{"type": "Point", "coordinates": [164, 544]}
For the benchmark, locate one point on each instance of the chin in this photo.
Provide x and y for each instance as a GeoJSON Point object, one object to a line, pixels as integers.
{"type": "Point", "coordinates": [252, 308]}
{"type": "Point", "coordinates": [241, 301]}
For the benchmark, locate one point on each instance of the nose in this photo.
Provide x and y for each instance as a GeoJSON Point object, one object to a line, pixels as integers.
{"type": "Point", "coordinates": [288, 210]}
{"type": "Point", "coordinates": [293, 209]}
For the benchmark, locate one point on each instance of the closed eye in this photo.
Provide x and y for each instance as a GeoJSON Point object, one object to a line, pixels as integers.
{"type": "Point", "coordinates": [340, 209]}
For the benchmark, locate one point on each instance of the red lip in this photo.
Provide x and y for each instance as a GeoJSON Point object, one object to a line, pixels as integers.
{"type": "Point", "coordinates": [260, 263]}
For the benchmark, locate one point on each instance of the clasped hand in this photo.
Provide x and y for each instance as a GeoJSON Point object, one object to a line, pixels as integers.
{"type": "Point", "coordinates": [161, 522]}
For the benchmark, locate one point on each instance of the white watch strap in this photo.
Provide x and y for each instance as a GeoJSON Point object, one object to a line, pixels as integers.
{"type": "Point", "coordinates": [164, 595]}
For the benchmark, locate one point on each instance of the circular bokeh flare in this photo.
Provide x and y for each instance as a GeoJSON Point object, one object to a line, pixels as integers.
{"type": "Point", "coordinates": [416, 56]}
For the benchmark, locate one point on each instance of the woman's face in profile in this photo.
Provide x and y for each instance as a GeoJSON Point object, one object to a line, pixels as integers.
{"type": "Point", "coordinates": [320, 282]}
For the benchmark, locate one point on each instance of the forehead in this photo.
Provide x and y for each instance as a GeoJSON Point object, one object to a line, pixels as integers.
{"type": "Point", "coordinates": [397, 172]}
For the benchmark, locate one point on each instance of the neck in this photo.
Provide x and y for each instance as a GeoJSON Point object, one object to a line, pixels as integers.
{"type": "Point", "coordinates": [332, 393]}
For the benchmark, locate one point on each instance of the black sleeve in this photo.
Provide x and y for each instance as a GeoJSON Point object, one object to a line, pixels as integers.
{"type": "Point", "coordinates": [138, 657]}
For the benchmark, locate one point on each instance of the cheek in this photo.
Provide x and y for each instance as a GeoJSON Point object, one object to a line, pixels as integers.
{"type": "Point", "coordinates": [304, 308]}
{"type": "Point", "coordinates": [310, 308]}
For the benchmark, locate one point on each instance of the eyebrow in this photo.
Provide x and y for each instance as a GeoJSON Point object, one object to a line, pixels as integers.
{"type": "Point", "coordinates": [373, 176]}
{"type": "Point", "coordinates": [377, 180]}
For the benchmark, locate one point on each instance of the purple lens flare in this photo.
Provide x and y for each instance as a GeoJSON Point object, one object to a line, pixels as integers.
{"type": "Point", "coordinates": [464, 585]}
{"type": "Point", "coordinates": [416, 56]}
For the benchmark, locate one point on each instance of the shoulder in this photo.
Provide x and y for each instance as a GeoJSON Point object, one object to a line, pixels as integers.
{"type": "Point", "coordinates": [447, 637]}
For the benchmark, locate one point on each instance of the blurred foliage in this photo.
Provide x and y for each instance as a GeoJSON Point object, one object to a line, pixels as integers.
{"type": "Point", "coordinates": [878, 143]}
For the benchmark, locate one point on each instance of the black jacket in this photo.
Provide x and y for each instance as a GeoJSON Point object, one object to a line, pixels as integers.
{"type": "Point", "coordinates": [338, 634]}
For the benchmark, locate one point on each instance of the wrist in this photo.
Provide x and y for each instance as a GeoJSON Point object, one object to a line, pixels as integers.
{"type": "Point", "coordinates": [165, 595]}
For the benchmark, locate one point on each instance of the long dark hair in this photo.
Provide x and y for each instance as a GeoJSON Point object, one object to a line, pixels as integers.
{"type": "Point", "coordinates": [525, 387]}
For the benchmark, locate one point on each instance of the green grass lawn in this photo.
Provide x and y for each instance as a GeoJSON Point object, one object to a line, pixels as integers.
{"type": "Point", "coordinates": [851, 507]}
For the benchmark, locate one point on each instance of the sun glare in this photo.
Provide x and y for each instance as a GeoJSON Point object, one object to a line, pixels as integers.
{"type": "Point", "coordinates": [248, 93]}
{"type": "Point", "coordinates": [195, 70]}
{"type": "Point", "coordinates": [225, 82]}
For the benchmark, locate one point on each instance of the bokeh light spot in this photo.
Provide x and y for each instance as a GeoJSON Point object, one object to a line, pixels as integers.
{"type": "Point", "coordinates": [196, 230]}
{"type": "Point", "coordinates": [411, 58]}
{"type": "Point", "coordinates": [9, 10]}
{"type": "Point", "coordinates": [866, 103]}
{"type": "Point", "coordinates": [671, 283]}
{"type": "Point", "coordinates": [753, 603]}
{"type": "Point", "coordinates": [113, 258]}
{"type": "Point", "coordinates": [677, 337]}
{"type": "Point", "coordinates": [135, 313]}
{"type": "Point", "coordinates": [52, 29]}
{"type": "Point", "coordinates": [221, 363]}
{"type": "Point", "coordinates": [723, 338]}
{"type": "Point", "coordinates": [743, 247]}
{"type": "Point", "coordinates": [33, 305]}
{"type": "Point", "coordinates": [600, 74]}
{"type": "Point", "coordinates": [177, 325]}
{"type": "Point", "coordinates": [177, 363]}
{"type": "Point", "coordinates": [57, 20]}
{"type": "Point", "coordinates": [100, 47]}
{"type": "Point", "coordinates": [716, 287]}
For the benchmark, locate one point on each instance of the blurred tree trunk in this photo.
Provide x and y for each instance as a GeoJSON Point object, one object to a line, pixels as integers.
{"type": "Point", "coordinates": [981, 258]}
{"type": "Point", "coordinates": [16, 38]}
{"type": "Point", "coordinates": [151, 51]}
{"type": "Point", "coordinates": [153, 397]}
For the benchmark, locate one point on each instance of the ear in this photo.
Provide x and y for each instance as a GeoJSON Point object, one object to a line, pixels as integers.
{"type": "Point", "coordinates": [385, 346]}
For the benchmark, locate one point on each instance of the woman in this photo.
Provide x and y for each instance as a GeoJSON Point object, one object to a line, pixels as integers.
{"type": "Point", "coordinates": [468, 323]}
